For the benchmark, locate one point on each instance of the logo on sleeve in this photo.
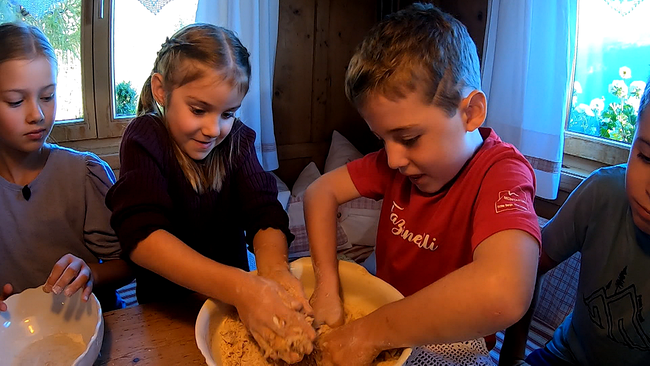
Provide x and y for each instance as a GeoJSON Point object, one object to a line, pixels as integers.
{"type": "Point", "coordinates": [511, 200]}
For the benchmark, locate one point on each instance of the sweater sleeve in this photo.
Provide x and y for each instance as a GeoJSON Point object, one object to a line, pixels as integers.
{"type": "Point", "coordinates": [99, 237]}
{"type": "Point", "coordinates": [139, 200]}
{"type": "Point", "coordinates": [257, 192]}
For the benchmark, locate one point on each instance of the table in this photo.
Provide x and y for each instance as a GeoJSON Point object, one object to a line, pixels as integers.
{"type": "Point", "coordinates": [152, 334]}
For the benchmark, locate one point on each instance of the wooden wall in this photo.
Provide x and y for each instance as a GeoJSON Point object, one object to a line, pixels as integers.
{"type": "Point", "coordinates": [315, 42]}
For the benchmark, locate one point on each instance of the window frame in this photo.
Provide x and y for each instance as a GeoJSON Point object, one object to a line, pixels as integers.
{"type": "Point", "coordinates": [86, 128]}
{"type": "Point", "coordinates": [97, 86]}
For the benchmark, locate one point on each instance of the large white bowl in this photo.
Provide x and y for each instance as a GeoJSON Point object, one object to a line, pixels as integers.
{"type": "Point", "coordinates": [360, 290]}
{"type": "Point", "coordinates": [55, 321]}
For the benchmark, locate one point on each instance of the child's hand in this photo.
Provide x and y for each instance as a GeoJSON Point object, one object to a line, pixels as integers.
{"type": "Point", "coordinates": [70, 274]}
{"type": "Point", "coordinates": [293, 286]}
{"type": "Point", "coordinates": [328, 307]}
{"type": "Point", "coordinates": [7, 290]}
{"type": "Point", "coordinates": [347, 346]}
{"type": "Point", "coordinates": [281, 330]}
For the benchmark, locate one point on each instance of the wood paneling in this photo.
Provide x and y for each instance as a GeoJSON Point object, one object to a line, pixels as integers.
{"type": "Point", "coordinates": [315, 42]}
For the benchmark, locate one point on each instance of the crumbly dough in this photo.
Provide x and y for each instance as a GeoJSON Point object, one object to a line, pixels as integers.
{"type": "Point", "coordinates": [238, 347]}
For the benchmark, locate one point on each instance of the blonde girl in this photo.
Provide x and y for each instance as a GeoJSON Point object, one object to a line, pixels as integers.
{"type": "Point", "coordinates": [192, 193]}
{"type": "Point", "coordinates": [54, 224]}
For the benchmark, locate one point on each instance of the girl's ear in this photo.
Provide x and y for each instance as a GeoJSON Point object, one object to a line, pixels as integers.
{"type": "Point", "coordinates": [475, 110]}
{"type": "Point", "coordinates": [157, 89]}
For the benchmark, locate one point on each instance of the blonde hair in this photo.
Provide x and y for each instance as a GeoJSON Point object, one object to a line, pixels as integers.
{"type": "Point", "coordinates": [26, 42]}
{"type": "Point", "coordinates": [219, 49]}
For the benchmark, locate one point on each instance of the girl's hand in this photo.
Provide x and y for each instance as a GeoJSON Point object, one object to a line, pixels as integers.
{"type": "Point", "coordinates": [274, 320]}
{"type": "Point", "coordinates": [347, 345]}
{"type": "Point", "coordinates": [292, 285]}
{"type": "Point", "coordinates": [69, 275]}
{"type": "Point", "coordinates": [328, 307]}
{"type": "Point", "coordinates": [7, 290]}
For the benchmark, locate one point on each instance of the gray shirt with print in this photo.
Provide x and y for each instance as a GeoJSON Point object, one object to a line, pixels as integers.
{"type": "Point", "coordinates": [65, 213]}
{"type": "Point", "coordinates": [610, 324]}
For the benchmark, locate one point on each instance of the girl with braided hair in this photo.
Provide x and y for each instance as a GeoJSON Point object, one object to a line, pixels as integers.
{"type": "Point", "coordinates": [192, 193]}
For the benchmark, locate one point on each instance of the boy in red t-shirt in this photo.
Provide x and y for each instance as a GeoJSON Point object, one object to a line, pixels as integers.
{"type": "Point", "coordinates": [458, 235]}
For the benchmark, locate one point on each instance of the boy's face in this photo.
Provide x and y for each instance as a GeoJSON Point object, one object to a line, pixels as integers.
{"type": "Point", "coordinates": [421, 140]}
{"type": "Point", "coordinates": [637, 178]}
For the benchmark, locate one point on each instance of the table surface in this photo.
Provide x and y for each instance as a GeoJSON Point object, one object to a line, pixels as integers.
{"type": "Point", "coordinates": [152, 334]}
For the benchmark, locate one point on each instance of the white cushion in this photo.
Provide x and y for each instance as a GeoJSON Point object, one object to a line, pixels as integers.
{"type": "Point", "coordinates": [283, 191]}
{"type": "Point", "coordinates": [300, 245]}
{"type": "Point", "coordinates": [341, 152]}
{"type": "Point", "coordinates": [359, 218]}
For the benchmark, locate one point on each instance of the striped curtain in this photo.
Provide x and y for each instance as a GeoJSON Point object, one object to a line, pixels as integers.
{"type": "Point", "coordinates": [527, 70]}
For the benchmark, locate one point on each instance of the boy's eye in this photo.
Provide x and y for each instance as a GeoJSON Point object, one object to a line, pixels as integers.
{"type": "Point", "coordinates": [410, 141]}
{"type": "Point", "coordinates": [47, 98]}
{"type": "Point", "coordinates": [228, 115]}
{"type": "Point", "coordinates": [644, 158]}
{"type": "Point", "coordinates": [15, 104]}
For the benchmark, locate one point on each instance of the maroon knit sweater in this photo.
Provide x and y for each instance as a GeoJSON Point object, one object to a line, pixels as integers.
{"type": "Point", "coordinates": [152, 193]}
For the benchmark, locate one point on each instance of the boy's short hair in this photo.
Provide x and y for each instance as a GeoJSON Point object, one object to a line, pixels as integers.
{"type": "Point", "coordinates": [418, 48]}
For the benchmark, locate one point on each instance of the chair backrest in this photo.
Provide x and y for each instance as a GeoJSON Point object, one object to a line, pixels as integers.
{"type": "Point", "coordinates": [558, 292]}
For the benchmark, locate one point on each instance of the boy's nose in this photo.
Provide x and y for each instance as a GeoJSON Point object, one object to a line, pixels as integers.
{"type": "Point", "coordinates": [396, 156]}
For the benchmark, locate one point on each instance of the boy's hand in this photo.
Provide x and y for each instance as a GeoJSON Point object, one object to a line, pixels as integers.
{"type": "Point", "coordinates": [273, 317]}
{"type": "Point", "coordinates": [69, 275]}
{"type": "Point", "coordinates": [347, 345]}
{"type": "Point", "coordinates": [293, 286]}
{"type": "Point", "coordinates": [7, 290]}
{"type": "Point", "coordinates": [328, 307]}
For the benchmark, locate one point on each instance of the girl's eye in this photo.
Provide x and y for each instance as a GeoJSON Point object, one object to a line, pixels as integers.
{"type": "Point", "coordinates": [410, 141]}
{"type": "Point", "coordinates": [15, 104]}
{"type": "Point", "coordinates": [198, 112]}
{"type": "Point", "coordinates": [47, 98]}
{"type": "Point", "coordinates": [644, 158]}
{"type": "Point", "coordinates": [228, 115]}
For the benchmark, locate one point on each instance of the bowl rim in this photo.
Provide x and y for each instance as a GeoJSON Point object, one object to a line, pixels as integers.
{"type": "Point", "coordinates": [211, 304]}
{"type": "Point", "coordinates": [92, 298]}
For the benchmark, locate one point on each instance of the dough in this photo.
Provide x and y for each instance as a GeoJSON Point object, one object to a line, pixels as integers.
{"type": "Point", "coordinates": [238, 347]}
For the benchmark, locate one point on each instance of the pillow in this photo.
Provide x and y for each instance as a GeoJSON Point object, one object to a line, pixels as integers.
{"type": "Point", "coordinates": [300, 245]}
{"type": "Point", "coordinates": [283, 191]}
{"type": "Point", "coordinates": [341, 152]}
{"type": "Point", "coordinates": [359, 218]}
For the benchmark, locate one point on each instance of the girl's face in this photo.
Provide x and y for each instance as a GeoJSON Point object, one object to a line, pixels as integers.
{"type": "Point", "coordinates": [200, 114]}
{"type": "Point", "coordinates": [27, 104]}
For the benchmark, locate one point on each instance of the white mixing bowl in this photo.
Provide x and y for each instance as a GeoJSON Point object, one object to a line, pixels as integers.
{"type": "Point", "coordinates": [360, 290]}
{"type": "Point", "coordinates": [41, 327]}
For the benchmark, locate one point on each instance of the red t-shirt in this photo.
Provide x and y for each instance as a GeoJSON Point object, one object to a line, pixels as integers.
{"type": "Point", "coordinates": [421, 238]}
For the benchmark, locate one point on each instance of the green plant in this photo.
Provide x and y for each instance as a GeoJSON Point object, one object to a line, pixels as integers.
{"type": "Point", "coordinates": [125, 99]}
{"type": "Point", "coordinates": [618, 120]}
{"type": "Point", "coordinates": [61, 23]}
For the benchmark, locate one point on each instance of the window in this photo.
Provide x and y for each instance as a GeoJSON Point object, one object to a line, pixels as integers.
{"type": "Point", "coordinates": [113, 42]}
{"type": "Point", "coordinates": [613, 49]}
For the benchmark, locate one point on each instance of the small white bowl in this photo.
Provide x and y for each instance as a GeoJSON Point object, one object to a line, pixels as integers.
{"type": "Point", "coordinates": [360, 289]}
{"type": "Point", "coordinates": [39, 327]}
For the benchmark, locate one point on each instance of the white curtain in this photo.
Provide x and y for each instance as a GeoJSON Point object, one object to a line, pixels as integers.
{"type": "Point", "coordinates": [256, 24]}
{"type": "Point", "coordinates": [527, 66]}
